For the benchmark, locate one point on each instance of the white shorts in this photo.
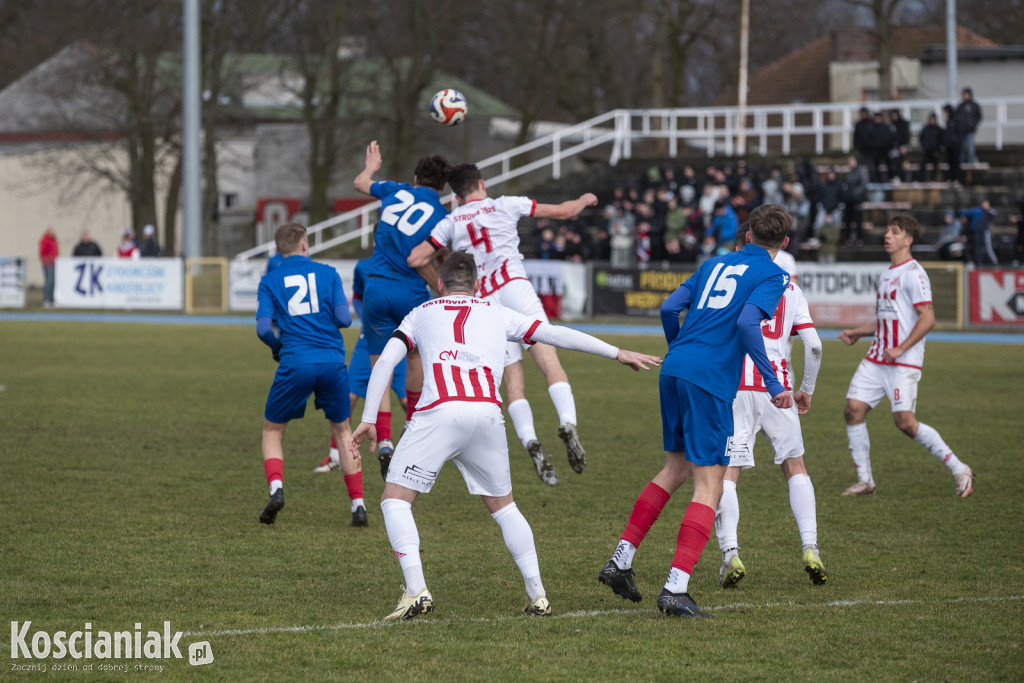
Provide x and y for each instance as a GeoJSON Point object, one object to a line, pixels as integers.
{"type": "Point", "coordinates": [752, 411]}
{"type": "Point", "coordinates": [471, 434]}
{"type": "Point", "coordinates": [520, 296]}
{"type": "Point", "coordinates": [872, 382]}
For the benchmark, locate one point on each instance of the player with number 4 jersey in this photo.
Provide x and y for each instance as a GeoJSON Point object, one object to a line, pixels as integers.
{"type": "Point", "coordinates": [488, 229]}
{"type": "Point", "coordinates": [393, 288]}
{"type": "Point", "coordinates": [892, 367]}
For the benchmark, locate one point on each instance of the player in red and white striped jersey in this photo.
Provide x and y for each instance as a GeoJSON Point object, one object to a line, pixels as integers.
{"type": "Point", "coordinates": [752, 412]}
{"type": "Point", "coordinates": [487, 228]}
{"type": "Point", "coordinates": [892, 368]}
{"type": "Point", "coordinates": [461, 342]}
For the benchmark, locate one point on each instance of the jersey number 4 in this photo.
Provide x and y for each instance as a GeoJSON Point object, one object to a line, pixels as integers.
{"type": "Point", "coordinates": [406, 214]}
{"type": "Point", "coordinates": [306, 284]}
{"type": "Point", "coordinates": [721, 286]}
{"type": "Point", "coordinates": [477, 238]}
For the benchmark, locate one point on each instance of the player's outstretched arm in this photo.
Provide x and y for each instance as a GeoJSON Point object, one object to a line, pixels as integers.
{"type": "Point", "coordinates": [380, 379]}
{"type": "Point", "coordinates": [374, 161]}
{"type": "Point", "coordinates": [635, 360]}
{"type": "Point", "coordinates": [565, 210]}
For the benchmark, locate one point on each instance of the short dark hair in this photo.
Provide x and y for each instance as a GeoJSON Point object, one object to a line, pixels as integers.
{"type": "Point", "coordinates": [769, 226]}
{"type": "Point", "coordinates": [288, 237]}
{"type": "Point", "coordinates": [458, 272]}
{"type": "Point", "coordinates": [433, 172]}
{"type": "Point", "coordinates": [908, 224]}
{"type": "Point", "coordinates": [741, 233]}
{"type": "Point", "coordinates": [464, 178]}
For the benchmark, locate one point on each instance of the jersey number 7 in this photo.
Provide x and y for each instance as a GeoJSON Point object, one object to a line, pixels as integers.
{"type": "Point", "coordinates": [460, 322]}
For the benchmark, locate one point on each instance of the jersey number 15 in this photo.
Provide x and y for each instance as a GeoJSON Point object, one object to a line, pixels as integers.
{"type": "Point", "coordinates": [721, 286]}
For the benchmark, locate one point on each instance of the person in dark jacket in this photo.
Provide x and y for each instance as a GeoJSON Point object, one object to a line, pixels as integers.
{"type": "Point", "coordinates": [952, 138]}
{"type": "Point", "coordinates": [149, 247]}
{"type": "Point", "coordinates": [883, 143]}
{"type": "Point", "coordinates": [968, 113]}
{"type": "Point", "coordinates": [900, 130]}
{"type": "Point", "coordinates": [855, 192]}
{"type": "Point", "coordinates": [864, 141]}
{"type": "Point", "coordinates": [86, 247]}
{"type": "Point", "coordinates": [931, 149]}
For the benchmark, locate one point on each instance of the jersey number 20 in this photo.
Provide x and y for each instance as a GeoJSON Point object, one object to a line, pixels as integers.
{"type": "Point", "coordinates": [297, 304]}
{"type": "Point", "coordinates": [407, 214]}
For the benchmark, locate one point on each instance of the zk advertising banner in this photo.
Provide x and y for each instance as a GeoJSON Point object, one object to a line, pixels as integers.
{"type": "Point", "coordinates": [145, 284]}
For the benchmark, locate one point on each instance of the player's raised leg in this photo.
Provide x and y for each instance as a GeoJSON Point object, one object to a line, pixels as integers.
{"type": "Point", "coordinates": [565, 405]}
{"type": "Point", "coordinates": [522, 416]}
{"type": "Point", "coordinates": [963, 476]}
{"type": "Point", "coordinates": [519, 540]}
{"type": "Point", "coordinates": [396, 506]}
{"type": "Point", "coordinates": [273, 465]}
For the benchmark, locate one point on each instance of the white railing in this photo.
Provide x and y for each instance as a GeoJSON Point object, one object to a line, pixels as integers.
{"type": "Point", "coordinates": [709, 131]}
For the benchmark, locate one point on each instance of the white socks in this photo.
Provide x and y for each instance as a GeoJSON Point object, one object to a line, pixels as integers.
{"type": "Point", "coordinates": [930, 439]}
{"type": "Point", "coordinates": [405, 541]}
{"type": "Point", "coordinates": [801, 501]}
{"type": "Point", "coordinates": [334, 455]}
{"type": "Point", "coordinates": [678, 581]}
{"type": "Point", "coordinates": [623, 556]}
{"type": "Point", "coordinates": [727, 518]}
{"type": "Point", "coordinates": [522, 420]}
{"type": "Point", "coordinates": [275, 486]}
{"type": "Point", "coordinates": [860, 450]}
{"type": "Point", "coordinates": [357, 503]}
{"type": "Point", "coordinates": [565, 405]}
{"type": "Point", "coordinates": [519, 541]}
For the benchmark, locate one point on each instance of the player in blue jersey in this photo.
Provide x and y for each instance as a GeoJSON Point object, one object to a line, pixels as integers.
{"type": "Point", "coordinates": [407, 215]}
{"type": "Point", "coordinates": [305, 300]}
{"type": "Point", "coordinates": [359, 367]}
{"type": "Point", "coordinates": [726, 300]}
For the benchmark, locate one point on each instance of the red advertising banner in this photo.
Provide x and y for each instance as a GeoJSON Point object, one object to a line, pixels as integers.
{"type": "Point", "coordinates": [996, 297]}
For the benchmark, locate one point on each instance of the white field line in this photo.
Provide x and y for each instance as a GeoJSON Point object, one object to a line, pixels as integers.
{"type": "Point", "coordinates": [598, 613]}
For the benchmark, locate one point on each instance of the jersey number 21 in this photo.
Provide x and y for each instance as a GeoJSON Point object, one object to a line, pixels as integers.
{"type": "Point", "coordinates": [297, 305]}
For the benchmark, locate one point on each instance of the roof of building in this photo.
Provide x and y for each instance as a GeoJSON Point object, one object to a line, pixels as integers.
{"type": "Point", "coordinates": [803, 75]}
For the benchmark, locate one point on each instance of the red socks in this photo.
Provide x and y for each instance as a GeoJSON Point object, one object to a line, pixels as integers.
{"type": "Point", "coordinates": [645, 513]}
{"type": "Point", "coordinates": [383, 426]}
{"type": "Point", "coordinates": [274, 469]}
{"type": "Point", "coordinates": [354, 484]}
{"type": "Point", "coordinates": [694, 533]}
{"type": "Point", "coordinates": [411, 399]}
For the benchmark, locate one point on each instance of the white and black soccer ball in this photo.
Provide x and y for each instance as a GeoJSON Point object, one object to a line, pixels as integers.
{"type": "Point", "coordinates": [448, 107]}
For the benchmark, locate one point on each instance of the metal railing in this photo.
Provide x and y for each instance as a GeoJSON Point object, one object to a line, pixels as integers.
{"type": "Point", "coordinates": [815, 128]}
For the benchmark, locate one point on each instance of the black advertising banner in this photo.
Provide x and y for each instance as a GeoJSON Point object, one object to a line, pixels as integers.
{"type": "Point", "coordinates": [633, 291]}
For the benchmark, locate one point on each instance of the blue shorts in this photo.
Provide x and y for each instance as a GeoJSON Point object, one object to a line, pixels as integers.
{"type": "Point", "coordinates": [294, 383]}
{"type": "Point", "coordinates": [694, 422]}
{"type": "Point", "coordinates": [386, 302]}
{"type": "Point", "coordinates": [359, 372]}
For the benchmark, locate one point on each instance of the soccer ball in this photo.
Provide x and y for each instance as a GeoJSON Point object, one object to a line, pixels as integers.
{"type": "Point", "coordinates": [448, 107]}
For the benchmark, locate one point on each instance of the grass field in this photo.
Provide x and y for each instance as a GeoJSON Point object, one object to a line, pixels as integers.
{"type": "Point", "coordinates": [132, 482]}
